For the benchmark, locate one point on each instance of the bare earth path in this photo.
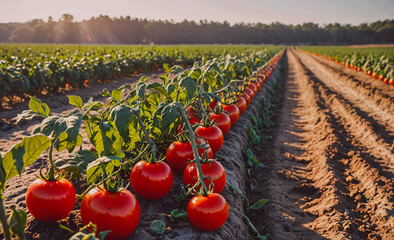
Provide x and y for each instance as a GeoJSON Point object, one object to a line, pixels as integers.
{"type": "Point", "coordinates": [331, 168]}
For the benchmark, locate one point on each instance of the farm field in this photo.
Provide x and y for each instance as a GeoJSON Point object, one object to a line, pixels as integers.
{"type": "Point", "coordinates": [311, 157]}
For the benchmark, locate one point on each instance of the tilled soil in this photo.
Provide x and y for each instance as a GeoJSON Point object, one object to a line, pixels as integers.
{"type": "Point", "coordinates": [329, 174]}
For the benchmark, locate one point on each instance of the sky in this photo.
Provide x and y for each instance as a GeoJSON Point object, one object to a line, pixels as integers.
{"type": "Point", "coordinates": [249, 11]}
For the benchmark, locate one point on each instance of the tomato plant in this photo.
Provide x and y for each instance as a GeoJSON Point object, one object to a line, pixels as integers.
{"type": "Point", "coordinates": [207, 213]}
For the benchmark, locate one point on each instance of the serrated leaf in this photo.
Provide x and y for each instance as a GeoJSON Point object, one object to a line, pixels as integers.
{"type": "Point", "coordinates": [100, 135]}
{"type": "Point", "coordinates": [122, 116]}
{"type": "Point", "coordinates": [75, 101]}
{"type": "Point", "coordinates": [190, 86]}
{"type": "Point", "coordinates": [78, 163]}
{"type": "Point", "coordinates": [158, 227]}
{"type": "Point", "coordinates": [168, 115]}
{"type": "Point", "coordinates": [23, 154]}
{"type": "Point", "coordinates": [259, 204]}
{"type": "Point", "coordinates": [158, 87]}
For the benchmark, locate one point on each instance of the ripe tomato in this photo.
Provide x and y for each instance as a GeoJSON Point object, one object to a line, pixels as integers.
{"type": "Point", "coordinates": [253, 87]}
{"type": "Point", "coordinates": [213, 135]}
{"type": "Point", "coordinates": [179, 154]}
{"type": "Point", "coordinates": [151, 180]}
{"type": "Point", "coordinates": [247, 98]}
{"type": "Point", "coordinates": [212, 169]}
{"type": "Point", "coordinates": [241, 104]}
{"type": "Point", "coordinates": [369, 72]}
{"type": "Point", "coordinates": [118, 212]}
{"type": "Point", "coordinates": [212, 104]}
{"type": "Point", "coordinates": [207, 213]}
{"type": "Point", "coordinates": [250, 93]}
{"type": "Point", "coordinates": [233, 112]}
{"type": "Point", "coordinates": [50, 200]}
{"type": "Point", "coordinates": [391, 82]}
{"type": "Point", "coordinates": [222, 120]}
{"type": "Point", "coordinates": [381, 78]}
{"type": "Point", "coordinates": [191, 114]}
{"type": "Point", "coordinates": [374, 75]}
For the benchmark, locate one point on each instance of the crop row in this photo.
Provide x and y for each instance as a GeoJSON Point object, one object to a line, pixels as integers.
{"type": "Point", "coordinates": [182, 117]}
{"type": "Point", "coordinates": [379, 64]}
{"type": "Point", "coordinates": [48, 69]}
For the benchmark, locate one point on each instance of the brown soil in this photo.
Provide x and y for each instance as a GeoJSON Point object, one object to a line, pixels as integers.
{"type": "Point", "coordinates": [330, 167]}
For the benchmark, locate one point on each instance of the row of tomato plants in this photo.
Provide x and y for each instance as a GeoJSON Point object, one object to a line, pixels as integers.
{"type": "Point", "coordinates": [378, 67]}
{"type": "Point", "coordinates": [37, 69]}
{"type": "Point", "coordinates": [183, 116]}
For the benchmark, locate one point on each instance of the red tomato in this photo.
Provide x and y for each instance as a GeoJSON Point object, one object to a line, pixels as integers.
{"type": "Point", "coordinates": [233, 112]}
{"type": "Point", "coordinates": [381, 78]}
{"type": "Point", "coordinates": [374, 75]}
{"type": "Point", "coordinates": [207, 213]}
{"type": "Point", "coordinates": [213, 135]}
{"type": "Point", "coordinates": [253, 87]}
{"type": "Point", "coordinates": [222, 120]}
{"type": "Point", "coordinates": [247, 98]}
{"type": "Point", "coordinates": [355, 67]}
{"type": "Point", "coordinates": [118, 212]}
{"type": "Point", "coordinates": [250, 93]}
{"type": "Point", "coordinates": [391, 82]}
{"type": "Point", "coordinates": [151, 180]}
{"type": "Point", "coordinates": [179, 154]}
{"type": "Point", "coordinates": [213, 169]}
{"type": "Point", "coordinates": [191, 115]}
{"type": "Point", "coordinates": [241, 104]}
{"type": "Point", "coordinates": [369, 72]}
{"type": "Point", "coordinates": [50, 200]}
{"type": "Point", "coordinates": [212, 104]}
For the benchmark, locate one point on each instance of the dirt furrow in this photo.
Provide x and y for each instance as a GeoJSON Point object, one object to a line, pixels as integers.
{"type": "Point", "coordinates": [372, 192]}
{"type": "Point", "coordinates": [362, 127]}
{"type": "Point", "coordinates": [330, 172]}
{"type": "Point", "coordinates": [370, 106]}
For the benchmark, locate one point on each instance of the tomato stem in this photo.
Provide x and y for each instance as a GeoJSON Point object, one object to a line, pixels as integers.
{"type": "Point", "coordinates": [194, 147]}
{"type": "Point", "coordinates": [51, 172]}
{"type": "Point", "coordinates": [148, 138]}
{"type": "Point", "coordinates": [3, 219]}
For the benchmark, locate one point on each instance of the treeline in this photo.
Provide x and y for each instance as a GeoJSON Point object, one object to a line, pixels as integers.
{"type": "Point", "coordinates": [127, 30]}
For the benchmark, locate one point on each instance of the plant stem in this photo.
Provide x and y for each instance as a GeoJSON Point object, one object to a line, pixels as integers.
{"type": "Point", "coordinates": [3, 219]}
{"type": "Point", "coordinates": [194, 147]}
{"type": "Point", "coordinates": [148, 138]}
{"type": "Point", "coordinates": [51, 172]}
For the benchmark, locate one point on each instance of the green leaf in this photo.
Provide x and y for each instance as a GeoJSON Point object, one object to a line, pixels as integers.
{"type": "Point", "coordinates": [178, 214]}
{"type": "Point", "coordinates": [122, 116]}
{"type": "Point", "coordinates": [23, 154]}
{"type": "Point", "coordinates": [75, 101]}
{"type": "Point", "coordinates": [101, 136]}
{"type": "Point", "coordinates": [140, 90]}
{"type": "Point", "coordinates": [37, 106]}
{"type": "Point", "coordinates": [78, 163]}
{"type": "Point", "coordinates": [17, 221]}
{"type": "Point", "coordinates": [158, 87]}
{"type": "Point", "coordinates": [259, 204]}
{"type": "Point", "coordinates": [117, 94]}
{"type": "Point", "coordinates": [158, 227]}
{"type": "Point", "coordinates": [168, 115]}
{"type": "Point", "coordinates": [102, 235]}
{"type": "Point", "coordinates": [190, 86]}
{"type": "Point", "coordinates": [94, 169]}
